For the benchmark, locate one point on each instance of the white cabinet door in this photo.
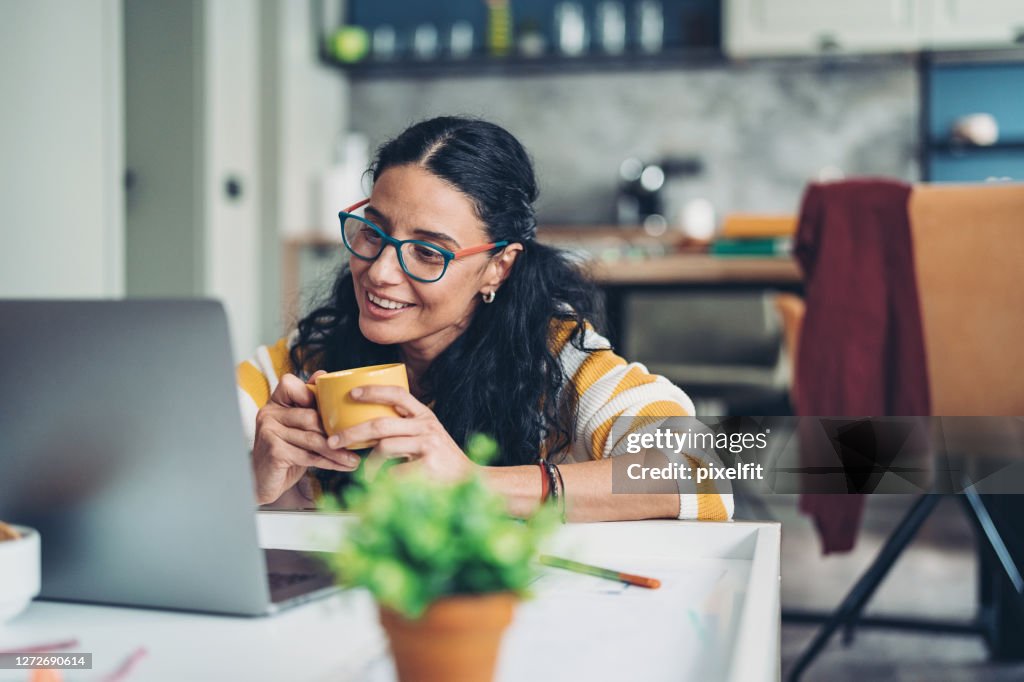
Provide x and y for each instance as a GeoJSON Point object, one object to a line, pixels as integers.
{"type": "Point", "coordinates": [61, 151]}
{"type": "Point", "coordinates": [961, 24]}
{"type": "Point", "coordinates": [192, 92]}
{"type": "Point", "coordinates": [796, 27]}
{"type": "Point", "coordinates": [231, 155]}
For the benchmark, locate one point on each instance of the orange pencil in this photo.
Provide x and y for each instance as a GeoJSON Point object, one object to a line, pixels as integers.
{"type": "Point", "coordinates": [628, 578]}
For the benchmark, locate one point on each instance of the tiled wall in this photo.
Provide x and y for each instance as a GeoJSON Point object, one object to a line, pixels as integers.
{"type": "Point", "coordinates": [762, 129]}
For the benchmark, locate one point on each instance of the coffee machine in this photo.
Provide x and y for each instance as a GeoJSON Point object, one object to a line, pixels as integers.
{"type": "Point", "coordinates": [640, 200]}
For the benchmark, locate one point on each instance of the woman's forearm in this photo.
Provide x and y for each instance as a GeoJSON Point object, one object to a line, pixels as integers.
{"type": "Point", "coordinates": [588, 490]}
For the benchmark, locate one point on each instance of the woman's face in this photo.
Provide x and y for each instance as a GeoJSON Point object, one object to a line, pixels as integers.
{"type": "Point", "coordinates": [409, 202]}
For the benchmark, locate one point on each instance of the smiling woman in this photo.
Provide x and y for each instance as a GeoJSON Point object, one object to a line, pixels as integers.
{"type": "Point", "coordinates": [496, 331]}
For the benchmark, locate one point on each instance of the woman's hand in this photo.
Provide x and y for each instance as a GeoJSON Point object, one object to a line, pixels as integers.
{"type": "Point", "coordinates": [289, 439]}
{"type": "Point", "coordinates": [415, 434]}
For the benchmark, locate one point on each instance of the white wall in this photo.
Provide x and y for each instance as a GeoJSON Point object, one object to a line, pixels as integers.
{"type": "Point", "coordinates": [305, 106]}
{"type": "Point", "coordinates": [61, 168]}
{"type": "Point", "coordinates": [251, 102]}
{"type": "Point", "coordinates": [314, 110]}
{"type": "Point", "coordinates": [232, 152]}
{"type": "Point", "coordinates": [257, 104]}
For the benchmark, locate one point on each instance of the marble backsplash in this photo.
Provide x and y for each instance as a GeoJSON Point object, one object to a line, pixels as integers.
{"type": "Point", "coordinates": [761, 129]}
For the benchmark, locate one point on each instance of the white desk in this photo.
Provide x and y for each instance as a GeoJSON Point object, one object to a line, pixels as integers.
{"type": "Point", "coordinates": [716, 616]}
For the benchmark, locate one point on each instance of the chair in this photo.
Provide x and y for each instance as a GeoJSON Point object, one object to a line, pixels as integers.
{"type": "Point", "coordinates": [790, 309]}
{"type": "Point", "coordinates": [725, 350]}
{"type": "Point", "coordinates": [968, 243]}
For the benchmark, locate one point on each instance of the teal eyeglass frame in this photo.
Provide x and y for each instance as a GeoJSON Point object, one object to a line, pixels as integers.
{"type": "Point", "coordinates": [387, 239]}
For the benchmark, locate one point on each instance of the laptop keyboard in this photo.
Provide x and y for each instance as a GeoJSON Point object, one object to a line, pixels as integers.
{"type": "Point", "coordinates": [280, 581]}
{"type": "Point", "coordinates": [291, 575]}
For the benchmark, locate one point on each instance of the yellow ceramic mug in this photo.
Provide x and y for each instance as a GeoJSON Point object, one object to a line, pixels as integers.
{"type": "Point", "coordinates": [338, 410]}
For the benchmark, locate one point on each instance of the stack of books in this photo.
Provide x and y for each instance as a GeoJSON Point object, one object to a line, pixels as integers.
{"type": "Point", "coordinates": [746, 234]}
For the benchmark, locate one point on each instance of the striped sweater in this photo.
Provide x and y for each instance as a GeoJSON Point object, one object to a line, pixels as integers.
{"type": "Point", "coordinates": [608, 388]}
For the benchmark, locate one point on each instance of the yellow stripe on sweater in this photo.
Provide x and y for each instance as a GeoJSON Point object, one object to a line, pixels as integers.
{"type": "Point", "coordinates": [600, 435]}
{"type": "Point", "coordinates": [659, 409]}
{"type": "Point", "coordinates": [653, 413]}
{"type": "Point", "coordinates": [709, 503]}
{"type": "Point", "coordinates": [560, 331]}
{"type": "Point", "coordinates": [636, 376]}
{"type": "Point", "coordinates": [596, 365]}
{"type": "Point", "coordinates": [648, 414]}
{"type": "Point", "coordinates": [252, 381]}
{"type": "Point", "coordinates": [279, 358]}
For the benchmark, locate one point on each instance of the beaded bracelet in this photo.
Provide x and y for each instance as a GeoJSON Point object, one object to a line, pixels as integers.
{"type": "Point", "coordinates": [552, 481]}
{"type": "Point", "coordinates": [561, 483]}
{"type": "Point", "coordinates": [545, 488]}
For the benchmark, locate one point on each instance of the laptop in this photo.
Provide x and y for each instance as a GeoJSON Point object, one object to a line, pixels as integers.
{"type": "Point", "coordinates": [121, 442]}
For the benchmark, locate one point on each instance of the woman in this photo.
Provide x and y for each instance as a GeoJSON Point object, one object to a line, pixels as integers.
{"type": "Point", "coordinates": [492, 326]}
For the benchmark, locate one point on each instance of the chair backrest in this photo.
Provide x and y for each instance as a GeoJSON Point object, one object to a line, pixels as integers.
{"type": "Point", "coordinates": [791, 310]}
{"type": "Point", "coordinates": [969, 261]}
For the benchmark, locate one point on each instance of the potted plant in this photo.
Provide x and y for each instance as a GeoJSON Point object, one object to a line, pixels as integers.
{"type": "Point", "coordinates": [445, 563]}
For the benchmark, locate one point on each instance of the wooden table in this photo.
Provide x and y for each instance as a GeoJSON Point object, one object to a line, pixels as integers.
{"type": "Point", "coordinates": [687, 272]}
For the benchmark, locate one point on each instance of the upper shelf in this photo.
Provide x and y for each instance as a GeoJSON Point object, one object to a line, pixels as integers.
{"type": "Point", "coordinates": [952, 147]}
{"type": "Point", "coordinates": [480, 65]}
{"type": "Point", "coordinates": [691, 57]}
{"type": "Point", "coordinates": [472, 37]}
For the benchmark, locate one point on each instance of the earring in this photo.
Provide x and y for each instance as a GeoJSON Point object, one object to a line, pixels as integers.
{"type": "Point", "coordinates": [489, 296]}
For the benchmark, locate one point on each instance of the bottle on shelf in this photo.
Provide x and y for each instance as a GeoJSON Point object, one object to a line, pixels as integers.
{"type": "Point", "coordinates": [571, 28]}
{"type": "Point", "coordinates": [530, 39]}
{"type": "Point", "coordinates": [499, 28]}
{"type": "Point", "coordinates": [383, 43]}
{"type": "Point", "coordinates": [610, 32]}
{"type": "Point", "coordinates": [650, 26]}
{"type": "Point", "coordinates": [342, 183]}
{"type": "Point", "coordinates": [460, 40]}
{"type": "Point", "coordinates": [425, 42]}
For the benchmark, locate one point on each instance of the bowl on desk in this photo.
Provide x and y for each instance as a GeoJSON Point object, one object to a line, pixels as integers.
{"type": "Point", "coordinates": [19, 572]}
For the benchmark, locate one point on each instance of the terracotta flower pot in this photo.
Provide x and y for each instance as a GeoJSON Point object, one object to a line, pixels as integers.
{"type": "Point", "coordinates": [456, 639]}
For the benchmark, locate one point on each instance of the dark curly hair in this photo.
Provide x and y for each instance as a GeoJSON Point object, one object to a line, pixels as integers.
{"type": "Point", "coordinates": [517, 391]}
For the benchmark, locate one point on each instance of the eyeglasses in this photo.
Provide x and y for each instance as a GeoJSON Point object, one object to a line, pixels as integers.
{"type": "Point", "coordinates": [423, 261]}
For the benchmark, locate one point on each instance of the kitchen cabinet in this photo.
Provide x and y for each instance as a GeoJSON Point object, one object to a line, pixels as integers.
{"type": "Point", "coordinates": [797, 27]}
{"type": "Point", "coordinates": [959, 89]}
{"type": "Point", "coordinates": [976, 165]}
{"type": "Point", "coordinates": [526, 36]}
{"type": "Point", "coordinates": [955, 89]}
{"type": "Point", "coordinates": [968, 24]}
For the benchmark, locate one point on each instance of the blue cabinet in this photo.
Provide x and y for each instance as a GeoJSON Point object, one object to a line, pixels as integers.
{"type": "Point", "coordinates": [974, 165]}
{"type": "Point", "coordinates": [996, 89]}
{"type": "Point", "coordinates": [953, 91]}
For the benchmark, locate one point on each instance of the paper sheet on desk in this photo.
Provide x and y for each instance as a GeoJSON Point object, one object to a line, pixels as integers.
{"type": "Point", "coordinates": [682, 630]}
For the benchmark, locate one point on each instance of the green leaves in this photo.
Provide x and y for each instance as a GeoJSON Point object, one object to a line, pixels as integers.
{"type": "Point", "coordinates": [416, 539]}
{"type": "Point", "coordinates": [481, 448]}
